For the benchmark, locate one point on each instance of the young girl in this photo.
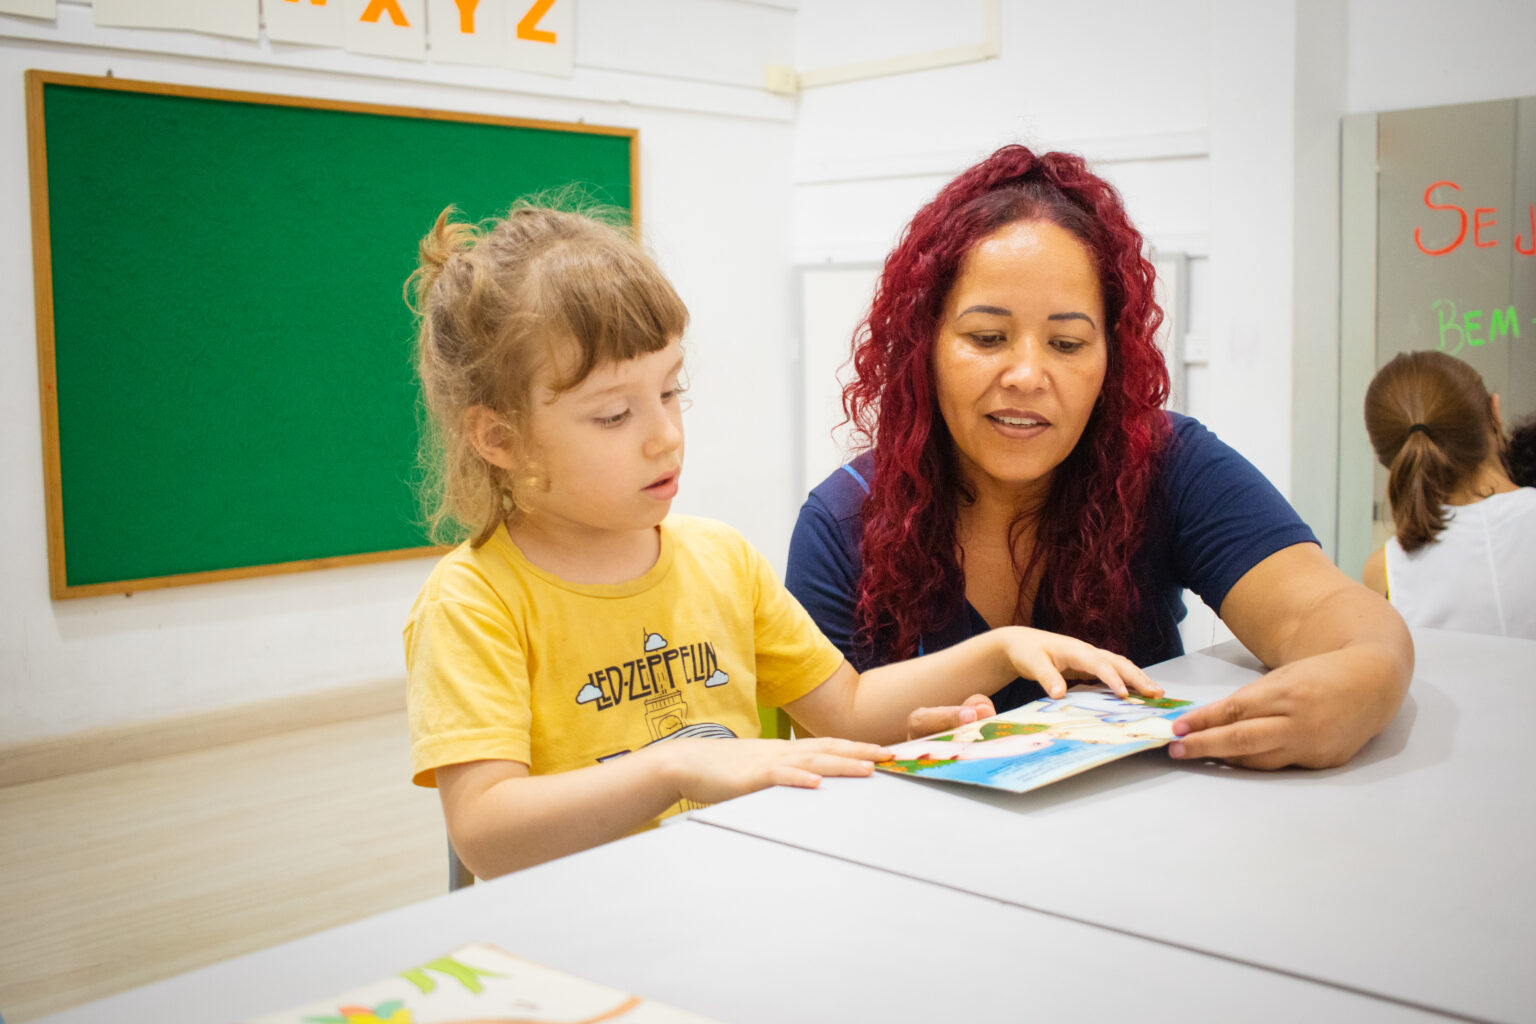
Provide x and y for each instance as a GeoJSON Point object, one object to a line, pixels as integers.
{"type": "Point", "coordinates": [1464, 556]}
{"type": "Point", "coordinates": [586, 664]}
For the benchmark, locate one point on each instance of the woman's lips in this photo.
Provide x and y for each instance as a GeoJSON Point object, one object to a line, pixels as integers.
{"type": "Point", "coordinates": [1018, 424]}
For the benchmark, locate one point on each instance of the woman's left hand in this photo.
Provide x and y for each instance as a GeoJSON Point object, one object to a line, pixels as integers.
{"type": "Point", "coordinates": [1344, 657]}
{"type": "Point", "coordinates": [1315, 712]}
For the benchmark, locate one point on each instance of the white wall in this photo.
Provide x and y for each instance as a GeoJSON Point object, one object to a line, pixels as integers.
{"type": "Point", "coordinates": [1429, 53]}
{"type": "Point", "coordinates": [1128, 90]}
{"type": "Point", "coordinates": [715, 172]}
{"type": "Point", "coordinates": [1212, 118]}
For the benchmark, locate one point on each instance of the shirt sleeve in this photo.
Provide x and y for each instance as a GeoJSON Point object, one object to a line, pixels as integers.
{"type": "Point", "coordinates": [467, 689]}
{"type": "Point", "coordinates": [823, 574]}
{"type": "Point", "coordinates": [1227, 517]}
{"type": "Point", "coordinates": [793, 657]}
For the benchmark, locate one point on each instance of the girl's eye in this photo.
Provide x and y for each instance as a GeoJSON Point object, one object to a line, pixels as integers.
{"type": "Point", "coordinates": [611, 421]}
{"type": "Point", "coordinates": [677, 390]}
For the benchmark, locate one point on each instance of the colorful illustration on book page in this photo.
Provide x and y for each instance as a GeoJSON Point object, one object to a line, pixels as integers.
{"type": "Point", "coordinates": [482, 984]}
{"type": "Point", "coordinates": [1043, 741]}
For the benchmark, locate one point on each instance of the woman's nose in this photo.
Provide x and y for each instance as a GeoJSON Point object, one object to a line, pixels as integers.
{"type": "Point", "coordinates": [1025, 368]}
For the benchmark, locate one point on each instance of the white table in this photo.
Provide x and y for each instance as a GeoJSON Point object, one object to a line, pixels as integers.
{"type": "Point", "coordinates": [1409, 873]}
{"type": "Point", "coordinates": [746, 930]}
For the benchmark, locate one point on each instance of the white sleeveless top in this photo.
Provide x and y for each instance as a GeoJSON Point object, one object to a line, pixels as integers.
{"type": "Point", "coordinates": [1479, 576]}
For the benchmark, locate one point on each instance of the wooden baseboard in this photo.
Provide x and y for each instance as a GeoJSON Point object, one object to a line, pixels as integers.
{"type": "Point", "coordinates": [33, 760]}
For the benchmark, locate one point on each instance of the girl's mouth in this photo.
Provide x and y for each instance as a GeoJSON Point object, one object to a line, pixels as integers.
{"type": "Point", "coordinates": [663, 488]}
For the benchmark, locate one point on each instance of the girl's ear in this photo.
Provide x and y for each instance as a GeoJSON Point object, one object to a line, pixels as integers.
{"type": "Point", "coordinates": [1498, 421]}
{"type": "Point", "coordinates": [492, 438]}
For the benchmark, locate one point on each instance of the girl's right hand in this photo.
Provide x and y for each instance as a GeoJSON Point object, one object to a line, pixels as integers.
{"type": "Point", "coordinates": [708, 771]}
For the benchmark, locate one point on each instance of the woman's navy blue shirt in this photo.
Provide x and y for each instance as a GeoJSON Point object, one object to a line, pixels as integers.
{"type": "Point", "coordinates": [1213, 517]}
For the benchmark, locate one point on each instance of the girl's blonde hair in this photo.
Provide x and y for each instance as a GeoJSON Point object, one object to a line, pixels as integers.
{"type": "Point", "coordinates": [495, 301]}
{"type": "Point", "coordinates": [1430, 419]}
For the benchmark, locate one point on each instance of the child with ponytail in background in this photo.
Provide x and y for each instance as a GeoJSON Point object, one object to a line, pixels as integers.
{"type": "Point", "coordinates": [1464, 555]}
{"type": "Point", "coordinates": [585, 663]}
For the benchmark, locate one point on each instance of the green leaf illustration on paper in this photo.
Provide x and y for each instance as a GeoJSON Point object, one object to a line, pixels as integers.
{"type": "Point", "coordinates": [464, 974]}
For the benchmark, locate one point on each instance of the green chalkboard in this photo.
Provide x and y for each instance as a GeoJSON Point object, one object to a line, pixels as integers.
{"type": "Point", "coordinates": [224, 350]}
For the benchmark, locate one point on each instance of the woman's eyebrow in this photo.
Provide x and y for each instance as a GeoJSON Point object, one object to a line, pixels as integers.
{"type": "Point", "coordinates": [992, 310]}
{"type": "Point", "coordinates": [1073, 316]}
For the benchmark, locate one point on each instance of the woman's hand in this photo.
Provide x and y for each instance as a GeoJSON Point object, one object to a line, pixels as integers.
{"type": "Point", "coordinates": [927, 721]}
{"type": "Point", "coordinates": [1316, 712]}
{"type": "Point", "coordinates": [1048, 658]}
{"type": "Point", "coordinates": [708, 771]}
{"type": "Point", "coordinates": [1344, 661]}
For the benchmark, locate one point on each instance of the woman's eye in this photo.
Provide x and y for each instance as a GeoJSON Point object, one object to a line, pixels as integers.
{"type": "Point", "coordinates": [1067, 344]}
{"type": "Point", "coordinates": [988, 339]}
{"type": "Point", "coordinates": [611, 421]}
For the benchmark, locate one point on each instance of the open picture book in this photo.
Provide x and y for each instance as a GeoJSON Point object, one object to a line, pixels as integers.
{"type": "Point", "coordinates": [482, 984]}
{"type": "Point", "coordinates": [1043, 741]}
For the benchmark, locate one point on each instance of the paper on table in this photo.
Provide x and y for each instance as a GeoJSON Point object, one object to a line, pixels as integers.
{"type": "Point", "coordinates": [482, 984]}
{"type": "Point", "coordinates": [1043, 741]}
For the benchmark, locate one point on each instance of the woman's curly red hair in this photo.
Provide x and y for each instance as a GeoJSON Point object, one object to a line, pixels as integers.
{"type": "Point", "coordinates": [1091, 526]}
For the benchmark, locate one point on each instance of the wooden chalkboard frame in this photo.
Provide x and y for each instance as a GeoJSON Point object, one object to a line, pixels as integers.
{"type": "Point", "coordinates": [43, 249]}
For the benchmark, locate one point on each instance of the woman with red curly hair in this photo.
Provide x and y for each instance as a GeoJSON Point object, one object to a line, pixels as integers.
{"type": "Point", "coordinates": [1021, 469]}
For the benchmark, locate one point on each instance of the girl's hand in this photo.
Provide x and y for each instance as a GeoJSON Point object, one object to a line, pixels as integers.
{"type": "Point", "coordinates": [1048, 658]}
{"type": "Point", "coordinates": [708, 771]}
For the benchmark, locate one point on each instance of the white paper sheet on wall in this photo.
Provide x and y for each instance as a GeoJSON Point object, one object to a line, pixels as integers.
{"type": "Point", "coordinates": [238, 18]}
{"type": "Point", "coordinates": [468, 33]}
{"type": "Point", "coordinates": [30, 8]}
{"type": "Point", "coordinates": [386, 28]}
{"type": "Point", "coordinates": [305, 21]}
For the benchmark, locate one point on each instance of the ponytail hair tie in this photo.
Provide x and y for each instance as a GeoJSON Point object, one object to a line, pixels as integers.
{"type": "Point", "coordinates": [1417, 427]}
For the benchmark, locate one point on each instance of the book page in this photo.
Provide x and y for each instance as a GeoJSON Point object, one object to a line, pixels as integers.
{"type": "Point", "coordinates": [482, 984]}
{"type": "Point", "coordinates": [1043, 741]}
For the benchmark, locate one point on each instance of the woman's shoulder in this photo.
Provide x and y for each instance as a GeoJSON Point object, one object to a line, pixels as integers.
{"type": "Point", "coordinates": [1196, 457]}
{"type": "Point", "coordinates": [841, 495]}
{"type": "Point", "coordinates": [1188, 437]}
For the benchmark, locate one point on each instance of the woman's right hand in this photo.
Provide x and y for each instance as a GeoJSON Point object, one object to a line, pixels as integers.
{"type": "Point", "coordinates": [708, 771]}
{"type": "Point", "coordinates": [929, 721]}
{"type": "Point", "coordinates": [1049, 658]}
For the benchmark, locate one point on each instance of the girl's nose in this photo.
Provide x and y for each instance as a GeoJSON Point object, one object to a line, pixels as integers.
{"type": "Point", "coordinates": [666, 436]}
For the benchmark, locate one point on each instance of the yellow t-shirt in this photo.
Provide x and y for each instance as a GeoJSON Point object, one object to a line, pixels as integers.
{"type": "Point", "coordinates": [507, 661]}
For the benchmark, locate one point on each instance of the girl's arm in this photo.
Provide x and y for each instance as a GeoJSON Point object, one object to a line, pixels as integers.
{"type": "Point", "coordinates": [877, 704]}
{"type": "Point", "coordinates": [501, 818]}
